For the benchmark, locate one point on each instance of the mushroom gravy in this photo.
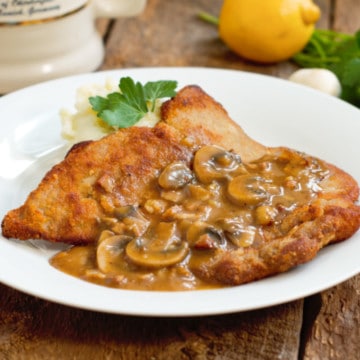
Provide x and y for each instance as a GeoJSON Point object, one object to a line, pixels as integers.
{"type": "Point", "coordinates": [216, 205]}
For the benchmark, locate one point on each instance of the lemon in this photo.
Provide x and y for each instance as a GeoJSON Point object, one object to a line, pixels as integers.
{"type": "Point", "coordinates": [267, 31]}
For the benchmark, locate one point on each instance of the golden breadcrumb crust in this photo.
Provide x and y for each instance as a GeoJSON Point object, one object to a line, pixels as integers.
{"type": "Point", "coordinates": [120, 169]}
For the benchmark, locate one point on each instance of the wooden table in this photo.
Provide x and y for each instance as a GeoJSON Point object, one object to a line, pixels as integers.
{"type": "Point", "coordinates": [322, 326]}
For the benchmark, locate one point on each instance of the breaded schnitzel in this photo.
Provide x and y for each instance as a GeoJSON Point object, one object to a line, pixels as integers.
{"type": "Point", "coordinates": [94, 179]}
{"type": "Point", "coordinates": [78, 196]}
{"type": "Point", "coordinates": [129, 160]}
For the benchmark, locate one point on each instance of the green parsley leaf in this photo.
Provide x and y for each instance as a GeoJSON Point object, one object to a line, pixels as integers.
{"type": "Point", "coordinates": [158, 90]}
{"type": "Point", "coordinates": [133, 101]}
{"type": "Point", "coordinates": [339, 53]}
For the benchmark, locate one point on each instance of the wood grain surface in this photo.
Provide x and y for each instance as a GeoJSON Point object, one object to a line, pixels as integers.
{"type": "Point", "coordinates": [322, 326]}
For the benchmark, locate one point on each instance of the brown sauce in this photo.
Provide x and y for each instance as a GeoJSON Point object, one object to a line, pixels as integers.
{"type": "Point", "coordinates": [219, 204]}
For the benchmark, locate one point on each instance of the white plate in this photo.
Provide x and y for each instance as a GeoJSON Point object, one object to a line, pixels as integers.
{"type": "Point", "coordinates": [273, 111]}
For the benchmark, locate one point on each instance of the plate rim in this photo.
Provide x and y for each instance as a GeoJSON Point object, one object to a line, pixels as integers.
{"type": "Point", "coordinates": [171, 295]}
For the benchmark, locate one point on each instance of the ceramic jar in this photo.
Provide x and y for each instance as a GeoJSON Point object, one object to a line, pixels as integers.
{"type": "Point", "coordinates": [45, 39]}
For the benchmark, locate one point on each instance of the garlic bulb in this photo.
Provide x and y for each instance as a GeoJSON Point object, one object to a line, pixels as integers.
{"type": "Point", "coordinates": [319, 79]}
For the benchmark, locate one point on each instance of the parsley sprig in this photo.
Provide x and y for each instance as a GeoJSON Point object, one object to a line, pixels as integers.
{"type": "Point", "coordinates": [133, 101]}
{"type": "Point", "coordinates": [339, 53]}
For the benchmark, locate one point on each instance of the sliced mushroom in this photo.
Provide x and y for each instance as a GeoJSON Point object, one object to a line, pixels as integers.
{"type": "Point", "coordinates": [203, 236]}
{"type": "Point", "coordinates": [235, 230]}
{"type": "Point", "coordinates": [231, 225]}
{"type": "Point", "coordinates": [105, 234]}
{"type": "Point", "coordinates": [159, 247]}
{"type": "Point", "coordinates": [248, 189]}
{"type": "Point", "coordinates": [133, 221]}
{"type": "Point", "coordinates": [109, 253]}
{"type": "Point", "coordinates": [242, 238]}
{"type": "Point", "coordinates": [214, 163]}
{"type": "Point", "coordinates": [127, 211]}
{"type": "Point", "coordinates": [175, 176]}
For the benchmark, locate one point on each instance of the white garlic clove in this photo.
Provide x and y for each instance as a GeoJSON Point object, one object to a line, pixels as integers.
{"type": "Point", "coordinates": [320, 79]}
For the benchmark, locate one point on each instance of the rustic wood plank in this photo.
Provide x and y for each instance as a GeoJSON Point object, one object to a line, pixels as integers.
{"type": "Point", "coordinates": [335, 333]}
{"type": "Point", "coordinates": [347, 16]}
{"type": "Point", "coordinates": [169, 33]}
{"type": "Point", "coordinates": [166, 35]}
{"type": "Point", "coordinates": [325, 21]}
{"type": "Point", "coordinates": [37, 329]}
{"type": "Point", "coordinates": [332, 318]}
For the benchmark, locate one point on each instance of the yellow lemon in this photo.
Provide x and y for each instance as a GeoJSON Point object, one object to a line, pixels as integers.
{"type": "Point", "coordinates": [267, 31]}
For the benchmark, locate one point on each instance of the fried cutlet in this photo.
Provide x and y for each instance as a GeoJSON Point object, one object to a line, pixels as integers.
{"type": "Point", "coordinates": [93, 179]}
{"type": "Point", "coordinates": [117, 170]}
{"type": "Point", "coordinates": [121, 169]}
{"type": "Point", "coordinates": [196, 114]}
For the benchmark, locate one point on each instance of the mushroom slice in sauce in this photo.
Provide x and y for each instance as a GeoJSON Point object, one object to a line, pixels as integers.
{"type": "Point", "coordinates": [242, 238]}
{"type": "Point", "coordinates": [214, 163]}
{"type": "Point", "coordinates": [237, 231]}
{"type": "Point", "coordinates": [160, 246]}
{"type": "Point", "coordinates": [133, 222]}
{"type": "Point", "coordinates": [175, 176]}
{"type": "Point", "coordinates": [248, 189]}
{"type": "Point", "coordinates": [203, 236]}
{"type": "Point", "coordinates": [127, 211]}
{"type": "Point", "coordinates": [109, 252]}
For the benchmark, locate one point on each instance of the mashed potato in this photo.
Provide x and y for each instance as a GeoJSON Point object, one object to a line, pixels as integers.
{"type": "Point", "coordinates": [82, 124]}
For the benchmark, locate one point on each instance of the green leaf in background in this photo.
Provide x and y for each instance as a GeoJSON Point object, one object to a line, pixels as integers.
{"type": "Point", "coordinates": [339, 53]}
{"type": "Point", "coordinates": [351, 81]}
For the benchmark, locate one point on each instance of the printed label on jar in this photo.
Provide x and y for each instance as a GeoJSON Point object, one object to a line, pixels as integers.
{"type": "Point", "coordinates": [23, 11]}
